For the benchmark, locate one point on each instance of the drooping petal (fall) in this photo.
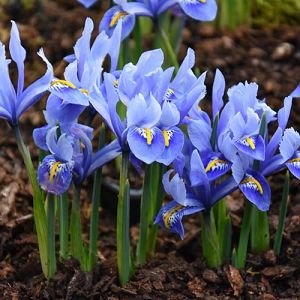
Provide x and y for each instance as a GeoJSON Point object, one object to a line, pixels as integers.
{"type": "Point", "coordinates": [54, 176]}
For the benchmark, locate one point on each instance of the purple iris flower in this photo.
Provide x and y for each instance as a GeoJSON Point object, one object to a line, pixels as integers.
{"type": "Point", "coordinates": [83, 75]}
{"type": "Point", "coordinates": [14, 102]}
{"type": "Point", "coordinates": [282, 149]}
{"type": "Point", "coordinates": [192, 189]}
{"type": "Point", "coordinates": [71, 158]}
{"type": "Point", "coordinates": [156, 106]}
{"type": "Point", "coordinates": [55, 171]}
{"type": "Point", "coordinates": [125, 12]}
{"type": "Point", "coordinates": [59, 113]}
{"type": "Point", "coordinates": [239, 131]}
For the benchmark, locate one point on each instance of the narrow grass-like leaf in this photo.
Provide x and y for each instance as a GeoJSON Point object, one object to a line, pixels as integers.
{"type": "Point", "coordinates": [260, 232]}
{"type": "Point", "coordinates": [241, 252]}
{"type": "Point", "coordinates": [38, 201]}
{"type": "Point", "coordinates": [94, 221]}
{"type": "Point", "coordinates": [282, 214]}
{"type": "Point", "coordinates": [51, 235]}
{"type": "Point", "coordinates": [63, 225]}
{"type": "Point", "coordinates": [210, 243]}
{"type": "Point", "coordinates": [123, 235]}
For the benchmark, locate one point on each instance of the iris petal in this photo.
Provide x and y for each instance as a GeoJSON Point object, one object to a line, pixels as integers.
{"type": "Point", "coordinates": [112, 17]}
{"type": "Point", "coordinates": [53, 176]}
{"type": "Point", "coordinates": [147, 144]}
{"type": "Point", "coordinates": [68, 92]}
{"type": "Point", "coordinates": [170, 216]}
{"type": "Point", "coordinates": [294, 165]}
{"type": "Point", "coordinates": [253, 146]}
{"type": "Point", "coordinates": [256, 189]}
{"type": "Point", "coordinates": [174, 141]}
{"type": "Point", "coordinates": [216, 166]}
{"type": "Point", "coordinates": [203, 10]}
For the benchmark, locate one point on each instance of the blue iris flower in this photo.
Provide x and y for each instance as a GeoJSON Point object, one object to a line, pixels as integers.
{"type": "Point", "coordinates": [239, 127]}
{"type": "Point", "coordinates": [71, 155]}
{"type": "Point", "coordinates": [71, 158]}
{"type": "Point", "coordinates": [83, 75]}
{"type": "Point", "coordinates": [14, 102]}
{"type": "Point", "coordinates": [55, 171]}
{"type": "Point", "coordinates": [156, 106]}
{"type": "Point", "coordinates": [59, 113]}
{"type": "Point", "coordinates": [192, 189]}
{"type": "Point", "coordinates": [125, 12]}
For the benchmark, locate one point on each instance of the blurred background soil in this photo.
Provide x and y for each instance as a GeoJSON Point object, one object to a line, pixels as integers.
{"type": "Point", "coordinates": [268, 56]}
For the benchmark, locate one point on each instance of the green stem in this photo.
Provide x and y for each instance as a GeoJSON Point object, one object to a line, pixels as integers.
{"type": "Point", "coordinates": [76, 242]}
{"type": "Point", "coordinates": [94, 221]}
{"type": "Point", "coordinates": [155, 207]}
{"type": "Point", "coordinates": [63, 225]}
{"type": "Point", "coordinates": [168, 46]}
{"type": "Point", "coordinates": [123, 237]}
{"type": "Point", "coordinates": [124, 54]}
{"type": "Point", "coordinates": [176, 33]}
{"type": "Point", "coordinates": [224, 230]}
{"type": "Point", "coordinates": [244, 237]}
{"type": "Point", "coordinates": [282, 214]}
{"type": "Point", "coordinates": [260, 232]}
{"type": "Point", "coordinates": [210, 243]}
{"type": "Point", "coordinates": [38, 201]}
{"type": "Point", "coordinates": [51, 235]}
{"type": "Point", "coordinates": [146, 199]}
{"type": "Point", "coordinates": [138, 40]}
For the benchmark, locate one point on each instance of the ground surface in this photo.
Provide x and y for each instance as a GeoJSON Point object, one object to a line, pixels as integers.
{"type": "Point", "coordinates": [177, 271]}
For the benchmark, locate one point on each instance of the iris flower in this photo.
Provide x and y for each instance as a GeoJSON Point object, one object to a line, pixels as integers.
{"type": "Point", "coordinates": [13, 102]}
{"type": "Point", "coordinates": [71, 158]}
{"type": "Point", "coordinates": [240, 158]}
{"type": "Point", "coordinates": [193, 190]}
{"type": "Point", "coordinates": [151, 127]}
{"type": "Point", "coordinates": [125, 12]}
{"type": "Point", "coordinates": [83, 75]}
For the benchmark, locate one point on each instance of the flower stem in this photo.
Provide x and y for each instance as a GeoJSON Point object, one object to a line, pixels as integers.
{"type": "Point", "coordinates": [51, 235]}
{"type": "Point", "coordinates": [282, 214]}
{"type": "Point", "coordinates": [244, 237]}
{"type": "Point", "coordinates": [176, 33]}
{"type": "Point", "coordinates": [94, 221]}
{"type": "Point", "coordinates": [138, 40]}
{"type": "Point", "coordinates": [167, 45]}
{"type": "Point", "coordinates": [260, 232]}
{"type": "Point", "coordinates": [38, 201]}
{"type": "Point", "coordinates": [146, 199]}
{"type": "Point", "coordinates": [210, 243]}
{"type": "Point", "coordinates": [224, 229]}
{"type": "Point", "coordinates": [155, 207]}
{"type": "Point", "coordinates": [150, 204]}
{"type": "Point", "coordinates": [123, 237]}
{"type": "Point", "coordinates": [76, 242]}
{"type": "Point", "coordinates": [63, 225]}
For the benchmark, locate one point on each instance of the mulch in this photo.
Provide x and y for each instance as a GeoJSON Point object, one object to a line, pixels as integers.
{"type": "Point", "coordinates": [271, 57]}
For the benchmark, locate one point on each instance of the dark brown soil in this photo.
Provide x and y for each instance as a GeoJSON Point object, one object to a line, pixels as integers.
{"type": "Point", "coordinates": [177, 271]}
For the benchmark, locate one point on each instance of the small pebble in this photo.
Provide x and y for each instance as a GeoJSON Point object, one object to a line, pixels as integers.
{"type": "Point", "coordinates": [283, 51]}
{"type": "Point", "coordinates": [211, 276]}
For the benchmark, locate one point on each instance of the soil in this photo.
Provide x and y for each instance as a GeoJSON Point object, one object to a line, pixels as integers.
{"type": "Point", "coordinates": [271, 57]}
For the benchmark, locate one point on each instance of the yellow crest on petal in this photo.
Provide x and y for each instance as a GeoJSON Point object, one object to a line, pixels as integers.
{"type": "Point", "coordinates": [168, 217]}
{"type": "Point", "coordinates": [63, 82]}
{"type": "Point", "coordinates": [253, 181]}
{"type": "Point", "coordinates": [53, 171]}
{"type": "Point", "coordinates": [116, 18]}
